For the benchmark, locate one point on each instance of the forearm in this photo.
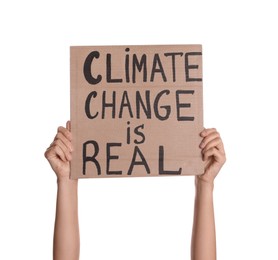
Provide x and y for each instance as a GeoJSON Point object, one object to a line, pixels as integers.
{"type": "Point", "coordinates": [203, 244]}
{"type": "Point", "coordinates": [66, 233]}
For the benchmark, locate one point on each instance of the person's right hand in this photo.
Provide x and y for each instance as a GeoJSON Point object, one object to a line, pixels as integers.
{"type": "Point", "coordinates": [59, 152]}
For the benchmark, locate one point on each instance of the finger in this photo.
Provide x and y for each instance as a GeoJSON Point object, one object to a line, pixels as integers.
{"type": "Point", "coordinates": [64, 149]}
{"type": "Point", "coordinates": [47, 153]}
{"type": "Point", "coordinates": [68, 126]}
{"type": "Point", "coordinates": [208, 138]}
{"type": "Point", "coordinates": [216, 142]}
{"type": "Point", "coordinates": [65, 132]}
{"type": "Point", "coordinates": [216, 154]}
{"type": "Point", "coordinates": [54, 151]}
{"type": "Point", "coordinates": [59, 152]}
{"type": "Point", "coordinates": [66, 141]}
{"type": "Point", "coordinates": [207, 131]}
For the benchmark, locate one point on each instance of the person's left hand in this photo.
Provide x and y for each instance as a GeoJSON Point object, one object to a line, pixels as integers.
{"type": "Point", "coordinates": [213, 154]}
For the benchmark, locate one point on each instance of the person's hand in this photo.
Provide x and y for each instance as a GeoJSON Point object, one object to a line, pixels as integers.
{"type": "Point", "coordinates": [213, 154]}
{"type": "Point", "coordinates": [59, 152]}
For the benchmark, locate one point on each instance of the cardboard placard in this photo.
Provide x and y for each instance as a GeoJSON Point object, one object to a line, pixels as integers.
{"type": "Point", "coordinates": [136, 110]}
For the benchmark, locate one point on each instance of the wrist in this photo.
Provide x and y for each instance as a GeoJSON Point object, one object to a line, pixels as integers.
{"type": "Point", "coordinates": [203, 185]}
{"type": "Point", "coordinates": [66, 181]}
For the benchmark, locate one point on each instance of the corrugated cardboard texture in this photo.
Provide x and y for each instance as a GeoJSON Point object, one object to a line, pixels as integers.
{"type": "Point", "coordinates": [136, 110]}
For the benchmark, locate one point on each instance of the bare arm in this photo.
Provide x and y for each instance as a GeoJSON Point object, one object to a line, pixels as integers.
{"type": "Point", "coordinates": [66, 232]}
{"type": "Point", "coordinates": [203, 244]}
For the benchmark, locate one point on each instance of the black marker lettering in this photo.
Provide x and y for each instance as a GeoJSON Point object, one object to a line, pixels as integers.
{"type": "Point", "coordinates": [110, 157]}
{"type": "Point", "coordinates": [161, 164]}
{"type": "Point", "coordinates": [180, 105]}
{"type": "Point", "coordinates": [139, 133]}
{"type": "Point", "coordinates": [105, 105]}
{"type": "Point", "coordinates": [167, 108]}
{"type": "Point", "coordinates": [157, 61]}
{"type": "Point", "coordinates": [125, 103]}
{"type": "Point", "coordinates": [127, 66]}
{"type": "Point", "coordinates": [139, 65]}
{"type": "Point", "coordinates": [88, 105]}
{"type": "Point", "coordinates": [109, 71]}
{"type": "Point", "coordinates": [91, 158]}
{"type": "Point", "coordinates": [191, 67]}
{"type": "Point", "coordinates": [141, 162]}
{"type": "Point", "coordinates": [173, 55]}
{"type": "Point", "coordinates": [87, 68]}
{"type": "Point", "coordinates": [139, 103]}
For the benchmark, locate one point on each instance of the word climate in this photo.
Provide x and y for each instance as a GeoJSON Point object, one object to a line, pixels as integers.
{"type": "Point", "coordinates": [140, 64]}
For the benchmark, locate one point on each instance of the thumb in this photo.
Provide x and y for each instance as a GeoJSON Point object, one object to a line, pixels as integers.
{"type": "Point", "coordinates": [68, 125]}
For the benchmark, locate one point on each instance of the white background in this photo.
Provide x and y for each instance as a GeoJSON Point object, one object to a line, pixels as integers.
{"type": "Point", "coordinates": [140, 218]}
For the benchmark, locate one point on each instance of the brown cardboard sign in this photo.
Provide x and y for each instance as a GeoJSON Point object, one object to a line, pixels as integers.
{"type": "Point", "coordinates": [136, 110]}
